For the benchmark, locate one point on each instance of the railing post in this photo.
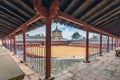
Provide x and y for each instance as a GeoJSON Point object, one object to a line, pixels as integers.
{"type": "Point", "coordinates": [24, 43]}
{"type": "Point", "coordinates": [108, 44]}
{"type": "Point", "coordinates": [14, 43]}
{"type": "Point", "coordinates": [100, 44]}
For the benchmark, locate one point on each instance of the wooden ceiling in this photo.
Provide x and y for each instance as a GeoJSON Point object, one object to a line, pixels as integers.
{"type": "Point", "coordinates": [102, 14]}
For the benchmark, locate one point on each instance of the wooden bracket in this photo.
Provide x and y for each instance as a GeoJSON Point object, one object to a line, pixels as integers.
{"type": "Point", "coordinates": [24, 28]}
{"type": "Point", "coordinates": [39, 8]}
{"type": "Point", "coordinates": [54, 9]}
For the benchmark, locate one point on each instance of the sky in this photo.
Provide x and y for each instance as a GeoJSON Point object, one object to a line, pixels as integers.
{"type": "Point", "coordinates": [67, 31]}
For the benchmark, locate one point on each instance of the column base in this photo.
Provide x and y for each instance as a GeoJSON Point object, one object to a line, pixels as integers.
{"type": "Point", "coordinates": [86, 61]}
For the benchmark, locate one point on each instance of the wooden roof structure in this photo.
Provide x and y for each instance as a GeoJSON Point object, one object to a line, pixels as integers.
{"type": "Point", "coordinates": [101, 14]}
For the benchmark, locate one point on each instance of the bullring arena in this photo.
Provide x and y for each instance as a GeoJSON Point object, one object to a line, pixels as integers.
{"type": "Point", "coordinates": [62, 50]}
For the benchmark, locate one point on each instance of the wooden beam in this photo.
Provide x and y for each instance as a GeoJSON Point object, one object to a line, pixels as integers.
{"type": "Point", "coordinates": [80, 23]}
{"type": "Point", "coordinates": [32, 20]}
{"type": "Point", "coordinates": [70, 18]}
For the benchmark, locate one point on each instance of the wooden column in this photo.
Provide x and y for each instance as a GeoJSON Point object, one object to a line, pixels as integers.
{"type": "Point", "coordinates": [119, 42]}
{"type": "Point", "coordinates": [100, 44]}
{"type": "Point", "coordinates": [2, 42]}
{"type": "Point", "coordinates": [10, 43]}
{"type": "Point", "coordinates": [48, 22]}
{"type": "Point", "coordinates": [14, 43]}
{"type": "Point", "coordinates": [6, 42]}
{"type": "Point", "coordinates": [87, 46]}
{"type": "Point", "coordinates": [112, 43]}
{"type": "Point", "coordinates": [24, 43]}
{"type": "Point", "coordinates": [108, 44]}
{"type": "Point", "coordinates": [115, 43]}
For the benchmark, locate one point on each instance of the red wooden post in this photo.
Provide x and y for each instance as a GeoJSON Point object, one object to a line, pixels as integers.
{"type": "Point", "coordinates": [14, 43]}
{"type": "Point", "coordinates": [108, 44]}
{"type": "Point", "coordinates": [5, 42]}
{"type": "Point", "coordinates": [100, 44]}
{"type": "Point", "coordinates": [10, 43]}
{"type": "Point", "coordinates": [119, 43]}
{"type": "Point", "coordinates": [48, 22]}
{"type": "Point", "coordinates": [2, 42]}
{"type": "Point", "coordinates": [87, 46]}
{"type": "Point", "coordinates": [112, 43]}
{"type": "Point", "coordinates": [24, 43]}
{"type": "Point", "coordinates": [115, 43]}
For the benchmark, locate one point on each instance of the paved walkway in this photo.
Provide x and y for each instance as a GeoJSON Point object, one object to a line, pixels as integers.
{"type": "Point", "coordinates": [106, 67]}
{"type": "Point", "coordinates": [9, 69]}
{"type": "Point", "coordinates": [29, 73]}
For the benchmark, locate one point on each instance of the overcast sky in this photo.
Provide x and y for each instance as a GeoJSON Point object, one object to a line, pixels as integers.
{"type": "Point", "coordinates": [66, 31]}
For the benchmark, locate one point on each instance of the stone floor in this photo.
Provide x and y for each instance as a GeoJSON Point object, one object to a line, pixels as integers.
{"type": "Point", "coordinates": [9, 69]}
{"type": "Point", "coordinates": [106, 67]}
{"type": "Point", "coordinates": [29, 73]}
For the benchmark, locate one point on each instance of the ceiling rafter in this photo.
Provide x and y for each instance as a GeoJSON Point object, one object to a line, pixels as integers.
{"type": "Point", "coordinates": [19, 18]}
{"type": "Point", "coordinates": [8, 22]}
{"type": "Point", "coordinates": [106, 19]}
{"type": "Point", "coordinates": [81, 8]}
{"type": "Point", "coordinates": [5, 29]}
{"type": "Point", "coordinates": [7, 26]}
{"type": "Point", "coordinates": [107, 22]}
{"type": "Point", "coordinates": [106, 15]}
{"type": "Point", "coordinates": [14, 19]}
{"type": "Point", "coordinates": [101, 11]}
{"type": "Point", "coordinates": [24, 5]}
{"type": "Point", "coordinates": [1, 30]}
{"type": "Point", "coordinates": [14, 7]}
{"type": "Point", "coordinates": [7, 18]}
{"type": "Point", "coordinates": [92, 11]}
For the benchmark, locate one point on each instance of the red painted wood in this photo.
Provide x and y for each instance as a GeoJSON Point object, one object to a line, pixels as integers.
{"type": "Point", "coordinates": [14, 43]}
{"type": "Point", "coordinates": [79, 22]}
{"type": "Point", "coordinates": [112, 43]}
{"type": "Point", "coordinates": [100, 44]}
{"type": "Point", "coordinates": [24, 47]}
{"type": "Point", "coordinates": [48, 22]}
{"type": "Point", "coordinates": [10, 44]}
{"type": "Point", "coordinates": [24, 43]}
{"type": "Point", "coordinates": [115, 43]}
{"type": "Point", "coordinates": [87, 46]}
{"type": "Point", "coordinates": [108, 44]}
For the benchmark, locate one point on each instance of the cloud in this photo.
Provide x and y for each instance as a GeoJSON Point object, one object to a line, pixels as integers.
{"type": "Point", "coordinates": [67, 31]}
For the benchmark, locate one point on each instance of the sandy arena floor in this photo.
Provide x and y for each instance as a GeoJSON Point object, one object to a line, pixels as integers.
{"type": "Point", "coordinates": [62, 51]}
